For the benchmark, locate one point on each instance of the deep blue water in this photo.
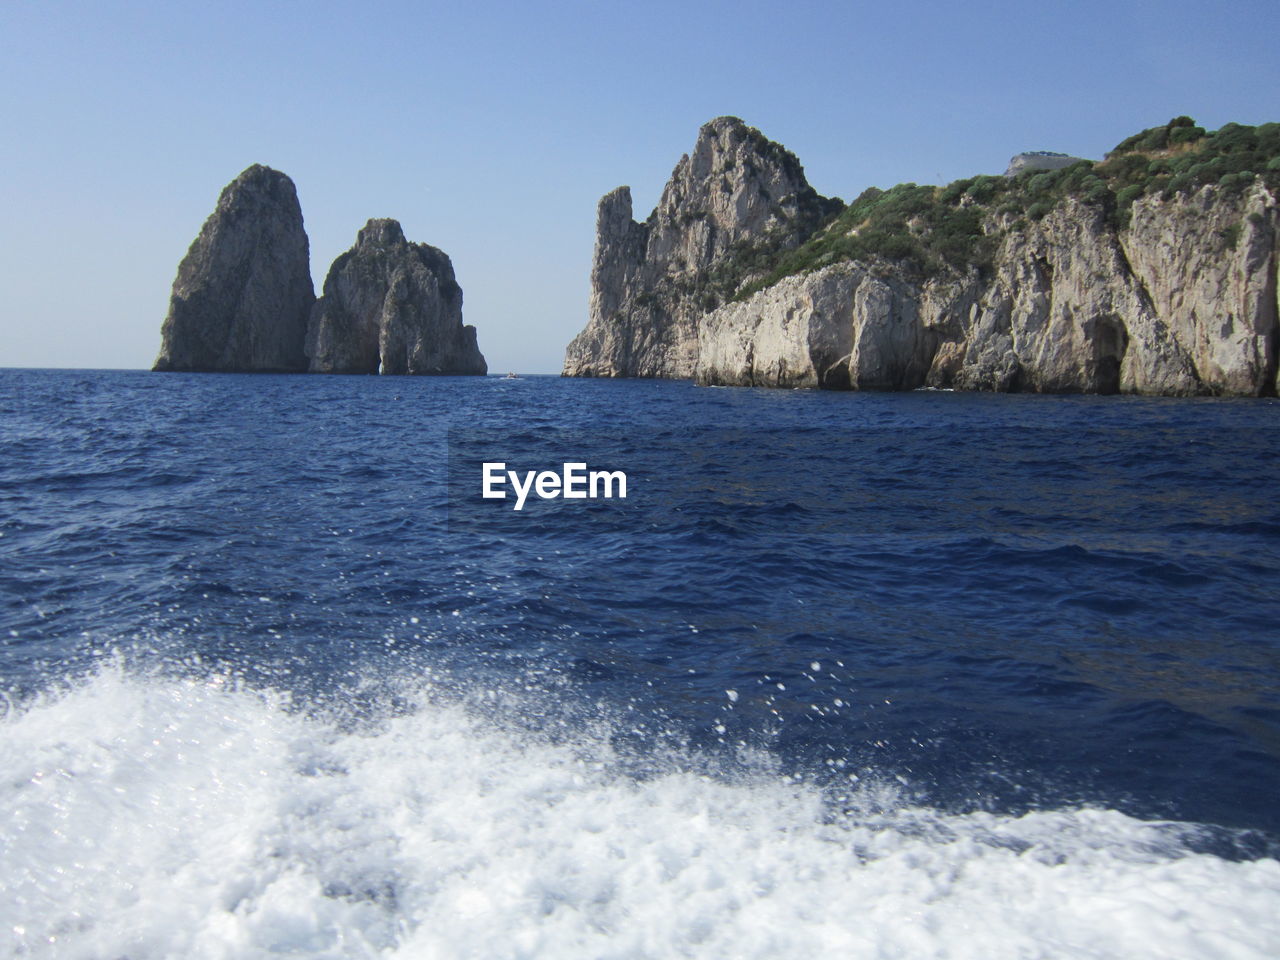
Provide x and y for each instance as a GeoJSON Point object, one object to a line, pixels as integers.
{"type": "Point", "coordinates": [969, 602]}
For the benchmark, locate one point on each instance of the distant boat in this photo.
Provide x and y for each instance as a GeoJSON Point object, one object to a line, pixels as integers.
{"type": "Point", "coordinates": [510, 376]}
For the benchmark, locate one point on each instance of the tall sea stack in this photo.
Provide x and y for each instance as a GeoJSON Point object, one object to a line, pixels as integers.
{"type": "Point", "coordinates": [393, 307]}
{"type": "Point", "coordinates": [243, 293]}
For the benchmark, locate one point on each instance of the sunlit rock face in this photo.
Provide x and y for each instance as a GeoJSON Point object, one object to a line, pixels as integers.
{"type": "Point", "coordinates": [1177, 297]}
{"type": "Point", "coordinates": [735, 196]}
{"type": "Point", "coordinates": [1072, 305]}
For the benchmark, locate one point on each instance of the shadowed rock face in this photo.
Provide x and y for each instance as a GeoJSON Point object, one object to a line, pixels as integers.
{"type": "Point", "coordinates": [391, 306]}
{"type": "Point", "coordinates": [243, 293]}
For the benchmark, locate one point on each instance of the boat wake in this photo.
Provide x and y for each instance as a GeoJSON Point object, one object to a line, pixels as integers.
{"type": "Point", "coordinates": [195, 816]}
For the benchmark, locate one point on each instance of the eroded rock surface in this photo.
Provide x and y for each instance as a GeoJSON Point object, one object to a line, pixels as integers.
{"type": "Point", "coordinates": [1166, 307]}
{"type": "Point", "coordinates": [735, 197]}
{"type": "Point", "coordinates": [392, 307]}
{"type": "Point", "coordinates": [1179, 298]}
{"type": "Point", "coordinates": [243, 293]}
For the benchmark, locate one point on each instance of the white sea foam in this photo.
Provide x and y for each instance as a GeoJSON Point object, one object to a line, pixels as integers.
{"type": "Point", "coordinates": [163, 818]}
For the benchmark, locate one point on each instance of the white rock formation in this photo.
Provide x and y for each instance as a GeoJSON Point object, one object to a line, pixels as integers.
{"type": "Point", "coordinates": [1181, 301]}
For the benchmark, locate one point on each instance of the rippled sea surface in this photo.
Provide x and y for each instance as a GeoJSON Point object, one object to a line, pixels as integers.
{"type": "Point", "coordinates": [921, 675]}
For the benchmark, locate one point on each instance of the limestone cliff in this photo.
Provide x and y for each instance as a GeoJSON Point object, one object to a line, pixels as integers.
{"type": "Point", "coordinates": [1133, 276]}
{"type": "Point", "coordinates": [392, 307]}
{"type": "Point", "coordinates": [1208, 264]}
{"type": "Point", "coordinates": [733, 202]}
{"type": "Point", "coordinates": [243, 292]}
{"type": "Point", "coordinates": [1072, 305]}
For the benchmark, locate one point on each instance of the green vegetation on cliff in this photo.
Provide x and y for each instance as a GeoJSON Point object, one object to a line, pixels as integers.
{"type": "Point", "coordinates": [1181, 157]}
{"type": "Point", "coordinates": [958, 227]}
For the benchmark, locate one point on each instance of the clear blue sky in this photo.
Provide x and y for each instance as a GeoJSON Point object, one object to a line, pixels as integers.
{"type": "Point", "coordinates": [491, 129]}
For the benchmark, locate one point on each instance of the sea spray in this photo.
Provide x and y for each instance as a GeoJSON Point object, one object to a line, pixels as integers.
{"type": "Point", "coordinates": [158, 816]}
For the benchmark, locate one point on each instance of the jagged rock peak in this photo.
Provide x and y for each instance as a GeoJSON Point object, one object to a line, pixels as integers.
{"type": "Point", "coordinates": [730, 135]}
{"type": "Point", "coordinates": [743, 181]}
{"type": "Point", "coordinates": [243, 292]}
{"type": "Point", "coordinates": [1153, 272]}
{"type": "Point", "coordinates": [391, 306]}
{"type": "Point", "coordinates": [381, 231]}
{"type": "Point", "coordinates": [736, 200]}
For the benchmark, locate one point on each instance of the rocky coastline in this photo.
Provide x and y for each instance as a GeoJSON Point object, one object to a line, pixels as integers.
{"type": "Point", "coordinates": [1150, 273]}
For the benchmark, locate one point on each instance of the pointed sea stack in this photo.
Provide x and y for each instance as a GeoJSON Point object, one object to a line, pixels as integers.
{"type": "Point", "coordinates": [243, 293]}
{"type": "Point", "coordinates": [394, 307]}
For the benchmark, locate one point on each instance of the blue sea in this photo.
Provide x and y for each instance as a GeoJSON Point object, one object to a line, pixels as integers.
{"type": "Point", "coordinates": [859, 675]}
